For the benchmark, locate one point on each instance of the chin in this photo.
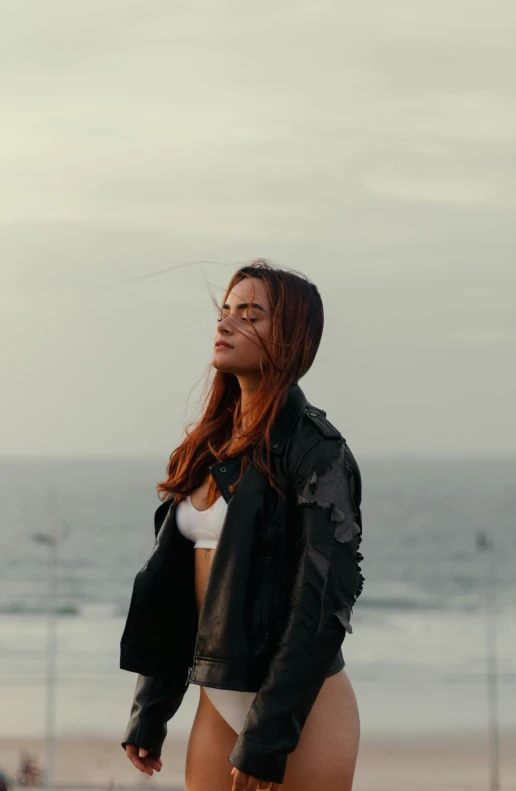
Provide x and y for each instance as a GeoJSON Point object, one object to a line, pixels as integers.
{"type": "Point", "coordinates": [221, 367]}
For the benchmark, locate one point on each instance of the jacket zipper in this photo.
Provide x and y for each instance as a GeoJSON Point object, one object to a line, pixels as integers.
{"type": "Point", "coordinates": [189, 676]}
{"type": "Point", "coordinates": [267, 599]}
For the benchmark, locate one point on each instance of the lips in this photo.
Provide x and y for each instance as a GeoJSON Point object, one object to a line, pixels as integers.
{"type": "Point", "coordinates": [222, 345]}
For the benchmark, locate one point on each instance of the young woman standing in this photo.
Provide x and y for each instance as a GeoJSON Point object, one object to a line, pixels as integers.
{"type": "Point", "coordinates": [267, 557]}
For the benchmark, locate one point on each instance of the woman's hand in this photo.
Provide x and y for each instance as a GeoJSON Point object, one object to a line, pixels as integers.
{"type": "Point", "coordinates": [243, 782]}
{"type": "Point", "coordinates": [142, 760]}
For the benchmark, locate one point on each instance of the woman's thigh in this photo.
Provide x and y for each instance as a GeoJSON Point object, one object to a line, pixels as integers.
{"type": "Point", "coordinates": [325, 756]}
{"type": "Point", "coordinates": [327, 751]}
{"type": "Point", "coordinates": [209, 746]}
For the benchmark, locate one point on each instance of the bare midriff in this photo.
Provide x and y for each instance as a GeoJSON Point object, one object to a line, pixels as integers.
{"type": "Point", "coordinates": [203, 556]}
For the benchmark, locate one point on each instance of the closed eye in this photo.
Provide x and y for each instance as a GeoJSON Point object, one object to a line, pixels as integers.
{"type": "Point", "coordinates": [243, 318]}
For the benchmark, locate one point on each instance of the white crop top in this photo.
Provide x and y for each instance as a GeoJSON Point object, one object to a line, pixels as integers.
{"type": "Point", "coordinates": [202, 527]}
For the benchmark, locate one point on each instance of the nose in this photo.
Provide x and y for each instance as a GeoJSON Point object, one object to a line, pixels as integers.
{"type": "Point", "coordinates": [223, 325]}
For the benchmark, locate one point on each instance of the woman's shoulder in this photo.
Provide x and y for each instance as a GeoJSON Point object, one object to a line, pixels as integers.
{"type": "Point", "coordinates": [313, 437]}
{"type": "Point", "coordinates": [318, 453]}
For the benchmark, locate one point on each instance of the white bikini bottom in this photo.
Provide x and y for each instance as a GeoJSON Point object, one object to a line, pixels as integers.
{"type": "Point", "coordinates": [232, 704]}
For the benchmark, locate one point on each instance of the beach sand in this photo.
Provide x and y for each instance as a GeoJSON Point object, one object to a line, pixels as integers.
{"type": "Point", "coordinates": [448, 762]}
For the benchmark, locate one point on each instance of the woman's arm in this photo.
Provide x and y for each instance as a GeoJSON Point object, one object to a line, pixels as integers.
{"type": "Point", "coordinates": [327, 583]}
{"type": "Point", "coordinates": [155, 702]}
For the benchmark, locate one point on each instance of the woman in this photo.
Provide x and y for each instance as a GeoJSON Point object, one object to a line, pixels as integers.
{"type": "Point", "coordinates": [251, 583]}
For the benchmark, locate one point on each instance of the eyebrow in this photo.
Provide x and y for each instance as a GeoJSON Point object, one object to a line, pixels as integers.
{"type": "Point", "coordinates": [244, 305]}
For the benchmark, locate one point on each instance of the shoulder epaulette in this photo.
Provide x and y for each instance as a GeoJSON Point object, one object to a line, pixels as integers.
{"type": "Point", "coordinates": [319, 419]}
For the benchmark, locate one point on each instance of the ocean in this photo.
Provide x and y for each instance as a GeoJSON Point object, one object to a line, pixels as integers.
{"type": "Point", "coordinates": [432, 604]}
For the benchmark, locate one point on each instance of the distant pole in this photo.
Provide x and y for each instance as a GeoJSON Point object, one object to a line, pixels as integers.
{"type": "Point", "coordinates": [485, 543]}
{"type": "Point", "coordinates": [51, 540]}
{"type": "Point", "coordinates": [51, 642]}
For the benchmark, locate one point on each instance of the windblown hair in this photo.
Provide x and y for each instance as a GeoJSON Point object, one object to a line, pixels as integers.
{"type": "Point", "coordinates": [297, 321]}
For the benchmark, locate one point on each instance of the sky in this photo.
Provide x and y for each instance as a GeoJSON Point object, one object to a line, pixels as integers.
{"type": "Point", "coordinates": [371, 146]}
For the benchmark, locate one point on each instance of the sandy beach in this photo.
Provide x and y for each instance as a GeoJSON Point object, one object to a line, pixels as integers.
{"type": "Point", "coordinates": [445, 762]}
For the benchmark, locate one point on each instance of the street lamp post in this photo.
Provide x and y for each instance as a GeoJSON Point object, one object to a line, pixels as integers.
{"type": "Point", "coordinates": [51, 540]}
{"type": "Point", "coordinates": [484, 543]}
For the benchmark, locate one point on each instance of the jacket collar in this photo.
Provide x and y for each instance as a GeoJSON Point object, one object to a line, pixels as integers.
{"type": "Point", "coordinates": [225, 473]}
{"type": "Point", "coordinates": [294, 404]}
{"type": "Point", "coordinates": [287, 416]}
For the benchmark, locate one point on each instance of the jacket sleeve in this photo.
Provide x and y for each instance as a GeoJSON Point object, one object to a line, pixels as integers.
{"type": "Point", "coordinates": [327, 488]}
{"type": "Point", "coordinates": [155, 702]}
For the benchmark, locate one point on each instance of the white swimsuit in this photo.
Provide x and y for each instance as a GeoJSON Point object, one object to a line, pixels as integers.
{"type": "Point", "coordinates": [204, 528]}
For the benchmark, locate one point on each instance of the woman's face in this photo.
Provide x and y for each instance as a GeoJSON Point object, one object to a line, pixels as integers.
{"type": "Point", "coordinates": [243, 358]}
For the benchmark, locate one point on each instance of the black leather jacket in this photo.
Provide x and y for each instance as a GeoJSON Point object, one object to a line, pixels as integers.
{"type": "Point", "coordinates": [277, 605]}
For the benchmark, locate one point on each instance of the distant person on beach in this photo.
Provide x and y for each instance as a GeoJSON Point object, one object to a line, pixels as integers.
{"type": "Point", "coordinates": [250, 587]}
{"type": "Point", "coordinates": [29, 774]}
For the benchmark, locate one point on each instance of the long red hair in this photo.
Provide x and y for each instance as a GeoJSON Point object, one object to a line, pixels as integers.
{"type": "Point", "coordinates": [297, 323]}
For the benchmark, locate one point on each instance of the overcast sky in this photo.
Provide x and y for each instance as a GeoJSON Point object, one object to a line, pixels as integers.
{"type": "Point", "coordinates": [370, 145]}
